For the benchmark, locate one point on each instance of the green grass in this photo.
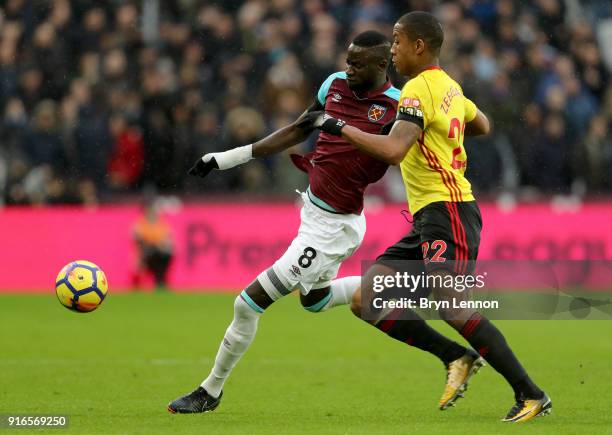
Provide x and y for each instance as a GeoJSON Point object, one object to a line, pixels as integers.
{"type": "Point", "coordinates": [114, 371]}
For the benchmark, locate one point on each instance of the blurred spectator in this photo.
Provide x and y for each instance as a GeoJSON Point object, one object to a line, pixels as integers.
{"type": "Point", "coordinates": [548, 163]}
{"type": "Point", "coordinates": [92, 107]}
{"type": "Point", "coordinates": [42, 143]}
{"type": "Point", "coordinates": [595, 159]}
{"type": "Point", "coordinates": [127, 157]}
{"type": "Point", "coordinates": [154, 246]}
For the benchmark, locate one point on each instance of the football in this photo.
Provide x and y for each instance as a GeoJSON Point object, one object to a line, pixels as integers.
{"type": "Point", "coordinates": [81, 286]}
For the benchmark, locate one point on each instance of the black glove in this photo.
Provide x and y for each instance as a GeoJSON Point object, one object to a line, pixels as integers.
{"type": "Point", "coordinates": [308, 120]}
{"type": "Point", "coordinates": [201, 168]}
{"type": "Point", "coordinates": [318, 119]}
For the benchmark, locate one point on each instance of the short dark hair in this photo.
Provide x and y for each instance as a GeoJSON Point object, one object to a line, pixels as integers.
{"type": "Point", "coordinates": [423, 25]}
{"type": "Point", "coordinates": [370, 38]}
{"type": "Point", "coordinates": [376, 43]}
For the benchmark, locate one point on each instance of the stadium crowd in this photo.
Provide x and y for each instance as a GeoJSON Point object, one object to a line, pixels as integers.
{"type": "Point", "coordinates": [101, 99]}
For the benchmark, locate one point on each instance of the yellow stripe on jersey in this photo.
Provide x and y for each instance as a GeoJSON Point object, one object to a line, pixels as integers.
{"type": "Point", "coordinates": [433, 170]}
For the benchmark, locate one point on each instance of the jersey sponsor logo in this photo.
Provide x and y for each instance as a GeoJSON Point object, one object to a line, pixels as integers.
{"type": "Point", "coordinates": [411, 107]}
{"type": "Point", "coordinates": [336, 97]}
{"type": "Point", "coordinates": [414, 102]}
{"type": "Point", "coordinates": [376, 112]}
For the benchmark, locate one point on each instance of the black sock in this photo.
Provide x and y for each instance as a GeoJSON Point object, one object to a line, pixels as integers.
{"type": "Point", "coordinates": [408, 327]}
{"type": "Point", "coordinates": [491, 345]}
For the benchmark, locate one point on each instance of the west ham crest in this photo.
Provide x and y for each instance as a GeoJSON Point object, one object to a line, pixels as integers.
{"type": "Point", "coordinates": [376, 112]}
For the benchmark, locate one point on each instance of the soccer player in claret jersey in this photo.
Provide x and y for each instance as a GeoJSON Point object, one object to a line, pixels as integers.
{"type": "Point", "coordinates": [426, 141]}
{"type": "Point", "coordinates": [332, 220]}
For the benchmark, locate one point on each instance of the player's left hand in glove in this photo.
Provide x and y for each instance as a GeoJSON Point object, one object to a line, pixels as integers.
{"type": "Point", "coordinates": [225, 160]}
{"type": "Point", "coordinates": [318, 119]}
{"type": "Point", "coordinates": [203, 166]}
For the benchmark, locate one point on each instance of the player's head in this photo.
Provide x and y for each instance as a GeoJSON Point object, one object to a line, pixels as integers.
{"type": "Point", "coordinates": [367, 60]}
{"type": "Point", "coordinates": [417, 39]}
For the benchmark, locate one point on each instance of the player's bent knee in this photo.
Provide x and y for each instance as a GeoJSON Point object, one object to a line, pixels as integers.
{"type": "Point", "coordinates": [446, 314]}
{"type": "Point", "coordinates": [455, 317]}
{"type": "Point", "coordinates": [316, 301]}
{"type": "Point", "coordinates": [244, 308]}
{"type": "Point", "coordinates": [254, 297]}
{"type": "Point", "coordinates": [456, 324]}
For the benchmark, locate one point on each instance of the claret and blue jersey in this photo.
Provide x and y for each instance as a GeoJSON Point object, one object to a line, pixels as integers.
{"type": "Point", "coordinates": [338, 172]}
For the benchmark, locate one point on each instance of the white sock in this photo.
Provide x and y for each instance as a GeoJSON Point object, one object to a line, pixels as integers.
{"type": "Point", "coordinates": [236, 341]}
{"type": "Point", "coordinates": [342, 290]}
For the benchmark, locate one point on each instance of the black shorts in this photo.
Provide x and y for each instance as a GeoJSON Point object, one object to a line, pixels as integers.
{"type": "Point", "coordinates": [445, 235]}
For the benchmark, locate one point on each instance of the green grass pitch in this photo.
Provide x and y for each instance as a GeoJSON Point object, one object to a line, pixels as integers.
{"type": "Point", "coordinates": [114, 371]}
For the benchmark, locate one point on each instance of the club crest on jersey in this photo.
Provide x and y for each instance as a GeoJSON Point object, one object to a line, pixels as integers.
{"type": "Point", "coordinates": [376, 112]}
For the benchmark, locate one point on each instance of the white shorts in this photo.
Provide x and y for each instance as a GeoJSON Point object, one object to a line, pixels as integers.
{"type": "Point", "coordinates": [312, 260]}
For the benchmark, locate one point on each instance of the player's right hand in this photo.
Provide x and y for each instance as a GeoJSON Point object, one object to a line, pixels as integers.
{"type": "Point", "coordinates": [318, 119]}
{"type": "Point", "coordinates": [311, 120]}
{"type": "Point", "coordinates": [203, 166]}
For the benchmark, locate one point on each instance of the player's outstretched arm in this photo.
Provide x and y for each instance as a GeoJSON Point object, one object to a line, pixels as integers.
{"type": "Point", "coordinates": [478, 126]}
{"type": "Point", "coordinates": [390, 149]}
{"type": "Point", "coordinates": [284, 138]}
{"type": "Point", "coordinates": [276, 142]}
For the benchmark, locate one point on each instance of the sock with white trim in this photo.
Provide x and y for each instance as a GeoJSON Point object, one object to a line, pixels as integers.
{"type": "Point", "coordinates": [238, 336]}
{"type": "Point", "coordinates": [342, 290]}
